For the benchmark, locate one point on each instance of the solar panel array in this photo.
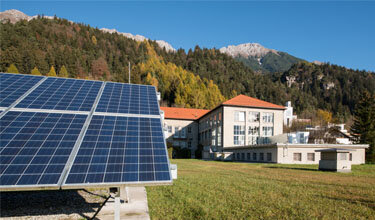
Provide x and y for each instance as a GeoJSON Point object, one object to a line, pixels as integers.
{"type": "Point", "coordinates": [132, 99]}
{"type": "Point", "coordinates": [63, 94]}
{"type": "Point", "coordinates": [53, 134]}
{"type": "Point", "coordinates": [14, 86]}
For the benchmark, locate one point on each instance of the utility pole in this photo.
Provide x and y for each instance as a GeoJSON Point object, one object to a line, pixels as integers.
{"type": "Point", "coordinates": [129, 72]}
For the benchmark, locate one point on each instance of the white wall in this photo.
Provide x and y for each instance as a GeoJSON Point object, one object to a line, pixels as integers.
{"type": "Point", "coordinates": [189, 137]}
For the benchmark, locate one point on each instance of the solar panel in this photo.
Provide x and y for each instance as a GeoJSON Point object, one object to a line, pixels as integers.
{"type": "Point", "coordinates": [63, 94]}
{"type": "Point", "coordinates": [45, 141]}
{"type": "Point", "coordinates": [35, 146]}
{"type": "Point", "coordinates": [13, 86]}
{"type": "Point", "coordinates": [121, 150]}
{"type": "Point", "coordinates": [129, 99]}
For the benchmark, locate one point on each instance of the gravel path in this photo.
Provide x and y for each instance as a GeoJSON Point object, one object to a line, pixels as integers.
{"type": "Point", "coordinates": [62, 204]}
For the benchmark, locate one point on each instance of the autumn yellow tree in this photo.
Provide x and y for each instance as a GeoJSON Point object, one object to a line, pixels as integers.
{"type": "Point", "coordinates": [35, 71]}
{"type": "Point", "coordinates": [52, 72]}
{"type": "Point", "coordinates": [63, 72]}
{"type": "Point", "coordinates": [324, 116]}
{"type": "Point", "coordinates": [12, 69]}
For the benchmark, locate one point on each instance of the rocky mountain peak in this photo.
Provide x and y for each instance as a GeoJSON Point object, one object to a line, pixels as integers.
{"type": "Point", "coordinates": [247, 50]}
{"type": "Point", "coordinates": [14, 16]}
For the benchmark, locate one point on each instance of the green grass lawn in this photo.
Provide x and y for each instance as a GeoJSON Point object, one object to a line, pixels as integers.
{"type": "Point", "coordinates": [226, 190]}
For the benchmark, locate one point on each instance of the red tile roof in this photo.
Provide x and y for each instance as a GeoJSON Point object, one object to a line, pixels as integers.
{"type": "Point", "coordinates": [240, 100]}
{"type": "Point", "coordinates": [183, 113]}
{"type": "Point", "coordinates": [243, 100]}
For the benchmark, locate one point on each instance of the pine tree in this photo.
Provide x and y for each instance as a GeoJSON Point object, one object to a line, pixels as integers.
{"type": "Point", "coordinates": [35, 71]}
{"type": "Point", "coordinates": [363, 128]}
{"type": "Point", "coordinates": [63, 72]}
{"type": "Point", "coordinates": [12, 69]}
{"type": "Point", "coordinates": [52, 72]}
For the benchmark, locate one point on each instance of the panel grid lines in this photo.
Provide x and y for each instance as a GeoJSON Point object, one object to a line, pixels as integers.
{"type": "Point", "coordinates": [13, 86]}
{"type": "Point", "coordinates": [35, 146]}
{"type": "Point", "coordinates": [121, 149]}
{"type": "Point", "coordinates": [129, 99]}
{"type": "Point", "coordinates": [63, 94]}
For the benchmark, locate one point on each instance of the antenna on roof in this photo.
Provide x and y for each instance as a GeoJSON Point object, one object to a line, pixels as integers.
{"type": "Point", "coordinates": [129, 72]}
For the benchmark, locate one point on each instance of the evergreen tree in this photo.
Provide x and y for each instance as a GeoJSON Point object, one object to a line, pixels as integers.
{"type": "Point", "coordinates": [63, 72]}
{"type": "Point", "coordinates": [35, 71]}
{"type": "Point", "coordinates": [363, 128]}
{"type": "Point", "coordinates": [12, 69]}
{"type": "Point", "coordinates": [52, 72]}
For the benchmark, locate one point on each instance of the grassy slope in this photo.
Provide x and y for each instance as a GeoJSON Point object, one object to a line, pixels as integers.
{"type": "Point", "coordinates": [224, 190]}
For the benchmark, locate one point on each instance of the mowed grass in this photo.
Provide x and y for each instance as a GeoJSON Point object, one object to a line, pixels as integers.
{"type": "Point", "coordinates": [226, 190]}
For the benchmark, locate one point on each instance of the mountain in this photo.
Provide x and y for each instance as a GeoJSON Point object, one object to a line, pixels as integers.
{"type": "Point", "coordinates": [198, 78]}
{"type": "Point", "coordinates": [14, 16]}
{"type": "Point", "coordinates": [261, 59]}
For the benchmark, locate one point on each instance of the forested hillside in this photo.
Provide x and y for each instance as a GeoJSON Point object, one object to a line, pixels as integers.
{"type": "Point", "coordinates": [199, 78]}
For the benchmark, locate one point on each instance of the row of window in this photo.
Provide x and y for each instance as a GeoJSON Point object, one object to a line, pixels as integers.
{"type": "Point", "coordinates": [178, 131]}
{"type": "Point", "coordinates": [252, 156]}
{"type": "Point", "coordinates": [253, 132]}
{"type": "Point", "coordinates": [212, 121]}
{"type": "Point", "coordinates": [311, 157]}
{"type": "Point", "coordinates": [182, 144]}
{"type": "Point", "coordinates": [212, 135]}
{"type": "Point", "coordinates": [240, 116]}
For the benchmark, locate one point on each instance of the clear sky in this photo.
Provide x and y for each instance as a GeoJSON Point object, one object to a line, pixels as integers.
{"type": "Point", "coordinates": [339, 32]}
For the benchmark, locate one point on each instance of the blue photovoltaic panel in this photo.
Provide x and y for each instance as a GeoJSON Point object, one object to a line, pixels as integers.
{"type": "Point", "coordinates": [35, 147]}
{"type": "Point", "coordinates": [121, 149]}
{"type": "Point", "coordinates": [63, 94]}
{"type": "Point", "coordinates": [128, 98]}
{"type": "Point", "coordinates": [13, 86]}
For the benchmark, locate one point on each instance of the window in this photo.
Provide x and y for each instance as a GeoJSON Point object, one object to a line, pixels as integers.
{"type": "Point", "coordinates": [243, 156]}
{"type": "Point", "coordinates": [176, 132]}
{"type": "Point", "coordinates": [310, 156]}
{"type": "Point", "coordinates": [189, 129]}
{"type": "Point", "coordinates": [267, 131]}
{"type": "Point", "coordinates": [234, 156]}
{"type": "Point", "coordinates": [350, 156]}
{"type": "Point", "coordinates": [183, 133]}
{"type": "Point", "coordinates": [261, 156]}
{"type": "Point", "coordinates": [239, 135]}
{"type": "Point", "coordinates": [248, 156]}
{"type": "Point", "coordinates": [238, 156]}
{"type": "Point", "coordinates": [269, 156]}
{"type": "Point", "coordinates": [297, 156]}
{"type": "Point", "coordinates": [189, 144]}
{"type": "Point", "coordinates": [239, 116]}
{"type": "Point", "coordinates": [253, 116]}
{"type": "Point", "coordinates": [219, 136]}
{"type": "Point", "coordinates": [254, 156]}
{"type": "Point", "coordinates": [182, 144]}
{"type": "Point", "coordinates": [213, 139]}
{"type": "Point", "coordinates": [267, 117]}
{"type": "Point", "coordinates": [252, 140]}
{"type": "Point", "coordinates": [253, 130]}
{"type": "Point", "coordinates": [175, 143]}
{"type": "Point", "coordinates": [169, 129]}
{"type": "Point", "coordinates": [253, 135]}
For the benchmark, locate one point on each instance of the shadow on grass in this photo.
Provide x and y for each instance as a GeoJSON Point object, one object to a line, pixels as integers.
{"type": "Point", "coordinates": [56, 202]}
{"type": "Point", "coordinates": [293, 168]}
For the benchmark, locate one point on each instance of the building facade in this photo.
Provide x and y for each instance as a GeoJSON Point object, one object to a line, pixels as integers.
{"type": "Point", "coordinates": [239, 121]}
{"type": "Point", "coordinates": [246, 129]}
{"type": "Point", "coordinates": [291, 153]}
{"type": "Point", "coordinates": [181, 127]}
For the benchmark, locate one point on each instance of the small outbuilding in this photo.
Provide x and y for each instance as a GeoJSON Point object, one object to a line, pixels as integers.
{"type": "Point", "coordinates": [335, 159]}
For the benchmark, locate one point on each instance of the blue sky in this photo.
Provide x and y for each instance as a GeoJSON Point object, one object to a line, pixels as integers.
{"type": "Point", "coordinates": [339, 32]}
